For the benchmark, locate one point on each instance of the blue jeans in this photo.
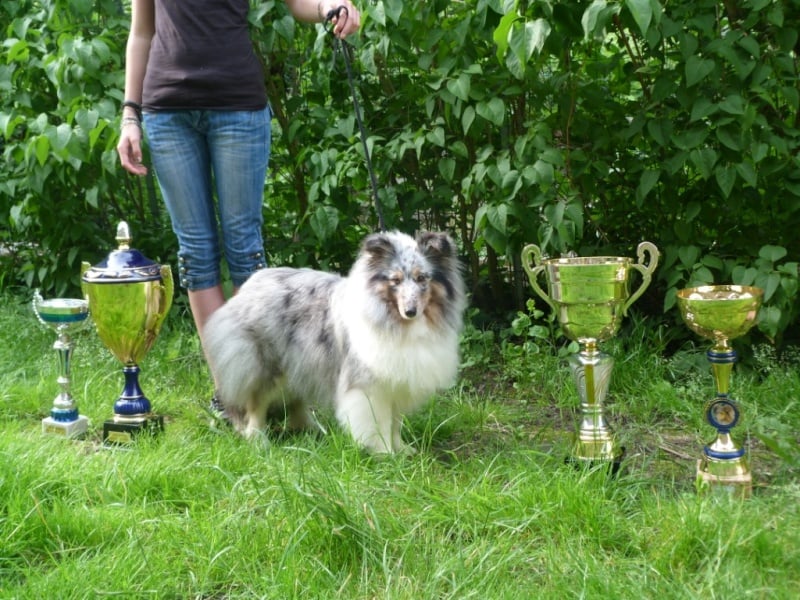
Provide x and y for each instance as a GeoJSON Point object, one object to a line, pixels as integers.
{"type": "Point", "coordinates": [198, 154]}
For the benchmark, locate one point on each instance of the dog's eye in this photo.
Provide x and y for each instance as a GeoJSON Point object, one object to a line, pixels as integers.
{"type": "Point", "coordinates": [421, 278]}
{"type": "Point", "coordinates": [395, 280]}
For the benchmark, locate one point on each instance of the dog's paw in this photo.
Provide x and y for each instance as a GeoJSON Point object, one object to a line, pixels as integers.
{"type": "Point", "coordinates": [404, 449]}
{"type": "Point", "coordinates": [255, 435]}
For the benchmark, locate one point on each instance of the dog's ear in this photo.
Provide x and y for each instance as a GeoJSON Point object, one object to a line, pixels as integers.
{"type": "Point", "coordinates": [436, 245]}
{"type": "Point", "coordinates": [378, 247]}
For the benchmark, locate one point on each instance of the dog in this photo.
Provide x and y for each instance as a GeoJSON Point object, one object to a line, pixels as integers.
{"type": "Point", "coordinates": [373, 346]}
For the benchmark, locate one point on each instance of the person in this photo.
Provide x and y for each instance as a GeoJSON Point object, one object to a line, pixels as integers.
{"type": "Point", "coordinates": [195, 86]}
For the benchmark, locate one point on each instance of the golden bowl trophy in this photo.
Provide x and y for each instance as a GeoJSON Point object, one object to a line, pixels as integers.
{"type": "Point", "coordinates": [64, 316]}
{"type": "Point", "coordinates": [129, 297]}
{"type": "Point", "coordinates": [722, 313]}
{"type": "Point", "coordinates": [590, 296]}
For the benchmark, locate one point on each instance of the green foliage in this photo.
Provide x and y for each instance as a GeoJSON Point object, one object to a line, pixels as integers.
{"type": "Point", "coordinates": [580, 126]}
{"type": "Point", "coordinates": [61, 191]}
{"type": "Point", "coordinates": [678, 123]}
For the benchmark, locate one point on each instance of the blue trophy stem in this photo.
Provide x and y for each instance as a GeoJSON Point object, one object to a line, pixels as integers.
{"type": "Point", "coordinates": [132, 402]}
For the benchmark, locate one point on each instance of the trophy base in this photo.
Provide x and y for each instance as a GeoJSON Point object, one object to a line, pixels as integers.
{"type": "Point", "coordinates": [67, 429]}
{"type": "Point", "coordinates": [122, 433]}
{"type": "Point", "coordinates": [730, 476]}
{"type": "Point", "coordinates": [611, 460]}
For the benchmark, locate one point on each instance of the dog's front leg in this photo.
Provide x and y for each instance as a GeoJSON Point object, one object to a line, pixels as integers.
{"type": "Point", "coordinates": [398, 445]}
{"type": "Point", "coordinates": [255, 417]}
{"type": "Point", "coordinates": [369, 422]}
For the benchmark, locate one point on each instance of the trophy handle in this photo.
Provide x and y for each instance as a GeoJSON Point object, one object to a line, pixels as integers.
{"type": "Point", "coordinates": [649, 249]}
{"type": "Point", "coordinates": [532, 251]}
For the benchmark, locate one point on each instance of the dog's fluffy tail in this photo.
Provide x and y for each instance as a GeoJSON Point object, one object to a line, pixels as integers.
{"type": "Point", "coordinates": [232, 359]}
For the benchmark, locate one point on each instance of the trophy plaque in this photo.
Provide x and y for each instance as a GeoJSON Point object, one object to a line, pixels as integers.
{"type": "Point", "coordinates": [129, 297]}
{"type": "Point", "coordinates": [64, 316]}
{"type": "Point", "coordinates": [721, 313]}
{"type": "Point", "coordinates": [590, 296]}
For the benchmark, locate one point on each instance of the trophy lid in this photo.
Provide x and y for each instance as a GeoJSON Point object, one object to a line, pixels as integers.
{"type": "Point", "coordinates": [123, 265]}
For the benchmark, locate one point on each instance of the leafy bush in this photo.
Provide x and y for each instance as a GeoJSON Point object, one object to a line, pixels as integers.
{"type": "Point", "coordinates": [61, 192]}
{"type": "Point", "coordinates": [580, 126]}
{"type": "Point", "coordinates": [676, 123]}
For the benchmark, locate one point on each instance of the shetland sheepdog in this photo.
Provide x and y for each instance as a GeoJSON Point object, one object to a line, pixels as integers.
{"type": "Point", "coordinates": [373, 346]}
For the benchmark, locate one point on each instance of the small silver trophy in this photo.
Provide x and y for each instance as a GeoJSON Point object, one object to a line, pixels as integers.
{"type": "Point", "coordinates": [64, 316]}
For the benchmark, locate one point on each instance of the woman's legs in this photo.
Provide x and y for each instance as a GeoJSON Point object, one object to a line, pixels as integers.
{"type": "Point", "coordinates": [239, 145]}
{"type": "Point", "coordinates": [194, 154]}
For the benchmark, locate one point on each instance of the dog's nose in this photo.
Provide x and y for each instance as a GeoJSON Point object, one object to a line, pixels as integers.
{"type": "Point", "coordinates": [411, 313]}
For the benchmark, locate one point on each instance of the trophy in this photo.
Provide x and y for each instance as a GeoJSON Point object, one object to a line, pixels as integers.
{"type": "Point", "coordinates": [129, 296]}
{"type": "Point", "coordinates": [64, 316]}
{"type": "Point", "coordinates": [722, 313]}
{"type": "Point", "coordinates": [590, 296]}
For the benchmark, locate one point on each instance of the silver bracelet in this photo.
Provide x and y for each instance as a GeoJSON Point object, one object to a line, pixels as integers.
{"type": "Point", "coordinates": [129, 121]}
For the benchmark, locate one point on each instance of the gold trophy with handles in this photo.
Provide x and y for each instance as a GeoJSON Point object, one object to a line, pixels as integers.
{"type": "Point", "coordinates": [590, 296]}
{"type": "Point", "coordinates": [129, 297]}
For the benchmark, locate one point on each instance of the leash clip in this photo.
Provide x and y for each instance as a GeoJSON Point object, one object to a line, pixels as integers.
{"type": "Point", "coordinates": [334, 12]}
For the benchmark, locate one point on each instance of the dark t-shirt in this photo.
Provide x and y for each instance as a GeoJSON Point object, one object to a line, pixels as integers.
{"type": "Point", "coordinates": [201, 57]}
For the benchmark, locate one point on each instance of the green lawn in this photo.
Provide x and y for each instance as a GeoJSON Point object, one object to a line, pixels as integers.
{"type": "Point", "coordinates": [486, 509]}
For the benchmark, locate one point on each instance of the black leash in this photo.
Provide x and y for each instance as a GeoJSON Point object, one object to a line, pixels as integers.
{"type": "Point", "coordinates": [346, 51]}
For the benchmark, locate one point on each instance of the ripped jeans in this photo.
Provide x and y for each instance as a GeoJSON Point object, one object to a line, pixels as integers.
{"type": "Point", "coordinates": [202, 154]}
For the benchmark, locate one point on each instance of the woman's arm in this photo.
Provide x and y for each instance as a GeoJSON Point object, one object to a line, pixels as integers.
{"type": "Point", "coordinates": [143, 26]}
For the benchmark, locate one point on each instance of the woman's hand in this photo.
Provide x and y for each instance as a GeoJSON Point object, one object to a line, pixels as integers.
{"type": "Point", "coordinates": [347, 19]}
{"type": "Point", "coordinates": [129, 147]}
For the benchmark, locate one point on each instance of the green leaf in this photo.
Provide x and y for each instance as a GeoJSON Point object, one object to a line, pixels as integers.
{"type": "Point", "coordinates": [730, 137]}
{"type": "Point", "coordinates": [702, 108]}
{"type": "Point", "coordinates": [324, 221]}
{"type": "Point", "coordinates": [59, 136]}
{"type": "Point", "coordinates": [772, 253]}
{"type": "Point", "coordinates": [647, 182]}
{"type": "Point", "coordinates": [554, 213]}
{"type": "Point", "coordinates": [393, 9]}
{"type": "Point", "coordinates": [733, 104]}
{"type": "Point", "coordinates": [498, 217]}
{"type": "Point", "coordinates": [692, 138]}
{"type": "Point", "coordinates": [42, 146]}
{"type": "Point", "coordinates": [536, 34]}
{"type": "Point", "coordinates": [704, 159]}
{"type": "Point", "coordinates": [284, 27]}
{"type": "Point", "coordinates": [447, 168]}
{"type": "Point", "coordinates": [502, 32]}
{"type": "Point", "coordinates": [460, 87]}
{"type": "Point", "coordinates": [436, 136]}
{"type": "Point", "coordinates": [596, 17]}
{"type": "Point", "coordinates": [467, 118]}
{"type": "Point", "coordinates": [544, 171]}
{"type": "Point", "coordinates": [726, 178]}
{"type": "Point", "coordinates": [747, 172]}
{"type": "Point", "coordinates": [771, 283]}
{"type": "Point", "coordinates": [642, 12]}
{"type": "Point", "coordinates": [697, 69]}
{"type": "Point", "coordinates": [493, 111]}
{"type": "Point", "coordinates": [688, 255]}
{"type": "Point", "coordinates": [691, 212]}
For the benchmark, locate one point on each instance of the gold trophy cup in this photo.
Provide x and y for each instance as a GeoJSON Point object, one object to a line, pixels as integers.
{"type": "Point", "coordinates": [590, 296]}
{"type": "Point", "coordinates": [722, 313]}
{"type": "Point", "coordinates": [129, 297]}
{"type": "Point", "coordinates": [64, 316]}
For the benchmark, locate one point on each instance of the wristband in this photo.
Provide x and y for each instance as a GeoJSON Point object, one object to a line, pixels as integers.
{"type": "Point", "coordinates": [135, 106]}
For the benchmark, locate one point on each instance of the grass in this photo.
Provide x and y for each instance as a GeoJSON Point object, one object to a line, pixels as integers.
{"type": "Point", "coordinates": [487, 509]}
